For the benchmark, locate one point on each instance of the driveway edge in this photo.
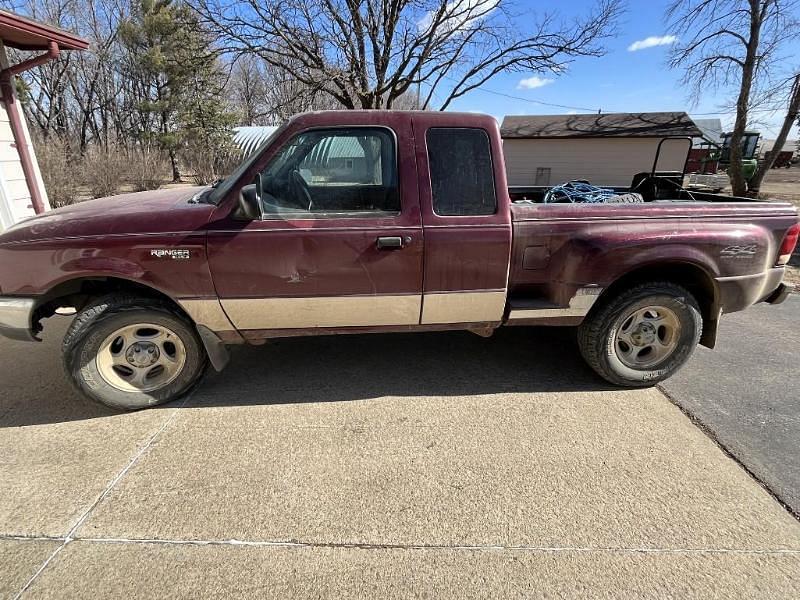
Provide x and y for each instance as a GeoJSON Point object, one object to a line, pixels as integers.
{"type": "Point", "coordinates": [710, 434]}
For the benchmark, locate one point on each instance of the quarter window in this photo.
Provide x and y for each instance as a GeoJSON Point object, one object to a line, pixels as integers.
{"type": "Point", "coordinates": [331, 172]}
{"type": "Point", "coordinates": [462, 179]}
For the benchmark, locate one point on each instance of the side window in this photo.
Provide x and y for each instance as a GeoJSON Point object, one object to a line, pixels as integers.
{"type": "Point", "coordinates": [333, 171]}
{"type": "Point", "coordinates": [462, 179]}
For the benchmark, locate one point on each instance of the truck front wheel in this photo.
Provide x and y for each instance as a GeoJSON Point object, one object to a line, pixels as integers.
{"type": "Point", "coordinates": [642, 335]}
{"type": "Point", "coordinates": [131, 353]}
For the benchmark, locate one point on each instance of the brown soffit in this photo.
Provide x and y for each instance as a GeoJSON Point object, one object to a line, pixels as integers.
{"type": "Point", "coordinates": [26, 34]}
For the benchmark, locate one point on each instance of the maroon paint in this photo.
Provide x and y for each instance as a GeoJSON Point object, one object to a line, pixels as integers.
{"type": "Point", "coordinates": [562, 246]}
{"type": "Point", "coordinates": [110, 237]}
{"type": "Point", "coordinates": [598, 244]}
{"type": "Point", "coordinates": [157, 212]}
{"type": "Point", "coordinates": [469, 252]}
{"type": "Point", "coordinates": [324, 256]}
{"type": "Point", "coordinates": [26, 34]}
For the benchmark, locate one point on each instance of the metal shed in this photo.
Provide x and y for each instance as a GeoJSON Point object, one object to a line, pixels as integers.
{"type": "Point", "coordinates": [22, 192]}
{"type": "Point", "coordinates": [605, 149]}
{"type": "Point", "coordinates": [249, 138]}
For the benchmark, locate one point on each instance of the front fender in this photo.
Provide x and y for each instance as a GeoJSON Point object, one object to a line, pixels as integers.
{"type": "Point", "coordinates": [175, 265]}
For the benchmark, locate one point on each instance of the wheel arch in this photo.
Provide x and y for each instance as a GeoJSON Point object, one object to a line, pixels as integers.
{"type": "Point", "coordinates": [689, 275]}
{"type": "Point", "coordinates": [78, 292]}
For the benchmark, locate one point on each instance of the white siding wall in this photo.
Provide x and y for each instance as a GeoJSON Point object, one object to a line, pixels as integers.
{"type": "Point", "coordinates": [15, 197]}
{"type": "Point", "coordinates": [601, 161]}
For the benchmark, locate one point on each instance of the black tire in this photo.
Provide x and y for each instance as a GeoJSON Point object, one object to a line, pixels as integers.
{"type": "Point", "coordinates": [597, 334]}
{"type": "Point", "coordinates": [101, 319]}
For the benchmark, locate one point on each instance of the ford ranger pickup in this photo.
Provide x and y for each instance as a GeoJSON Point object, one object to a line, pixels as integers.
{"type": "Point", "coordinates": [383, 221]}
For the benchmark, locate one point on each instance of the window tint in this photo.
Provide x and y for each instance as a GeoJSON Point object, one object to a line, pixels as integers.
{"type": "Point", "coordinates": [323, 172]}
{"type": "Point", "coordinates": [462, 180]}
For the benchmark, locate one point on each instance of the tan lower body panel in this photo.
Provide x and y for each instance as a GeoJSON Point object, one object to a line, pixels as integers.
{"type": "Point", "coordinates": [328, 311]}
{"type": "Point", "coordinates": [579, 306]}
{"type": "Point", "coordinates": [463, 307]}
{"type": "Point", "coordinates": [207, 312]}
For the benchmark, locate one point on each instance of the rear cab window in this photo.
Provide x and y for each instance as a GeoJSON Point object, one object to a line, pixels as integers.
{"type": "Point", "coordinates": [461, 171]}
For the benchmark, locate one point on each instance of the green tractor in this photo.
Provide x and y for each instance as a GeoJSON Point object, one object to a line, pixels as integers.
{"type": "Point", "coordinates": [712, 166]}
{"type": "Point", "coordinates": [749, 150]}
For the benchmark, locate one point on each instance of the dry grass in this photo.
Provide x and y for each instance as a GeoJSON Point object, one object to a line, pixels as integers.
{"type": "Point", "coordinates": [69, 177]}
{"type": "Point", "coordinates": [58, 171]}
{"type": "Point", "coordinates": [103, 170]}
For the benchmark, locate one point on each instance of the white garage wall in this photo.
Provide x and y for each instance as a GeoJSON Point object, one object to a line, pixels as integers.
{"type": "Point", "coordinates": [601, 161]}
{"type": "Point", "coordinates": [15, 197]}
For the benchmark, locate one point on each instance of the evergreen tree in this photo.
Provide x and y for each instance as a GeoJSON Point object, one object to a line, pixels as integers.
{"type": "Point", "coordinates": [176, 76]}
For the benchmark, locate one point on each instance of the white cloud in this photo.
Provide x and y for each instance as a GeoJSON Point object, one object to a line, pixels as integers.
{"type": "Point", "coordinates": [652, 42]}
{"type": "Point", "coordinates": [459, 14]}
{"type": "Point", "coordinates": [531, 83]}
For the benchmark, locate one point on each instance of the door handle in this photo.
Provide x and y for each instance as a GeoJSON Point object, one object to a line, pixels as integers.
{"type": "Point", "coordinates": [392, 242]}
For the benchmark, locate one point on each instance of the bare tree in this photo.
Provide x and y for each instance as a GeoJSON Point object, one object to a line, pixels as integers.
{"type": "Point", "coordinates": [370, 53]}
{"type": "Point", "coordinates": [788, 122]}
{"type": "Point", "coordinates": [733, 45]}
{"type": "Point", "coordinates": [262, 94]}
{"type": "Point", "coordinates": [248, 90]}
{"type": "Point", "coordinates": [79, 97]}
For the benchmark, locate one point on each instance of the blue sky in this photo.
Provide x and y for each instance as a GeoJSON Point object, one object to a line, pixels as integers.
{"type": "Point", "coordinates": [621, 81]}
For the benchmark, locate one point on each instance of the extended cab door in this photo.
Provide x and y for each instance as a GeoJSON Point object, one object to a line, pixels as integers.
{"type": "Point", "coordinates": [340, 243]}
{"type": "Point", "coordinates": [466, 218]}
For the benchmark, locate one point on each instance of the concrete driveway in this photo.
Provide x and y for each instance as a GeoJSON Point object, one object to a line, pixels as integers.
{"type": "Point", "coordinates": [747, 393]}
{"type": "Point", "coordinates": [426, 465]}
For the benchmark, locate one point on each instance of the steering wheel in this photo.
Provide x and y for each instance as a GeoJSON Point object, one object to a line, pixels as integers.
{"type": "Point", "coordinates": [300, 185]}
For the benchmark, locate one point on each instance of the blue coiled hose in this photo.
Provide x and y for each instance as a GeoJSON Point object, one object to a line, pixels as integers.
{"type": "Point", "coordinates": [579, 191]}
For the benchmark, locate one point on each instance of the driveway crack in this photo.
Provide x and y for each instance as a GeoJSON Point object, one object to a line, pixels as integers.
{"type": "Point", "coordinates": [70, 536]}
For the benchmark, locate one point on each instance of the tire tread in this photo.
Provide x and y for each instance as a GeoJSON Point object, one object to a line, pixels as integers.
{"type": "Point", "coordinates": [591, 339]}
{"type": "Point", "coordinates": [94, 314]}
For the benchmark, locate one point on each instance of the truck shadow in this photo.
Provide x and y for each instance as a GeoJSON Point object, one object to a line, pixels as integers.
{"type": "Point", "coordinates": [34, 389]}
{"type": "Point", "coordinates": [358, 367]}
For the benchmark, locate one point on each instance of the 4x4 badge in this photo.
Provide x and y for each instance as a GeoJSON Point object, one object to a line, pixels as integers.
{"type": "Point", "coordinates": [739, 251]}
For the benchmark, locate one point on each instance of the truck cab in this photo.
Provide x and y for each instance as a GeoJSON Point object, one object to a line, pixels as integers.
{"type": "Point", "coordinates": [376, 222]}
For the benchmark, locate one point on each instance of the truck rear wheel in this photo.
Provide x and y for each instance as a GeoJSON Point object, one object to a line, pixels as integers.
{"type": "Point", "coordinates": [642, 335]}
{"type": "Point", "coordinates": [131, 353]}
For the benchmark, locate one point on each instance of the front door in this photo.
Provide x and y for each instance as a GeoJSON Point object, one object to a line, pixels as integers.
{"type": "Point", "coordinates": [340, 243]}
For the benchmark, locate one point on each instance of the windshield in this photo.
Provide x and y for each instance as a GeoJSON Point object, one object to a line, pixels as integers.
{"type": "Point", "coordinates": [224, 186]}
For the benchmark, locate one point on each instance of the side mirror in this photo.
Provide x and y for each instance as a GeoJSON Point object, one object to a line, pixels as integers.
{"type": "Point", "coordinates": [250, 200]}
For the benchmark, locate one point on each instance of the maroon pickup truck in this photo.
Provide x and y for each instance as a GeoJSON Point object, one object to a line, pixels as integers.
{"type": "Point", "coordinates": [362, 221]}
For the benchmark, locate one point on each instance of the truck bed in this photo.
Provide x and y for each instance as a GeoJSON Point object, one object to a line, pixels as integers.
{"type": "Point", "coordinates": [536, 194]}
{"type": "Point", "coordinates": [727, 245]}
